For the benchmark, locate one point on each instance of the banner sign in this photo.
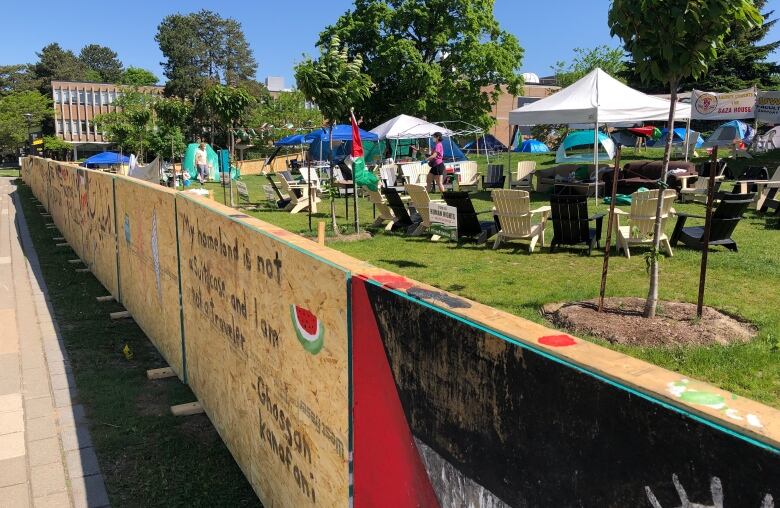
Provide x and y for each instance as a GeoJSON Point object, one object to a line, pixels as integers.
{"type": "Point", "coordinates": [723, 106]}
{"type": "Point", "coordinates": [768, 107]}
{"type": "Point", "coordinates": [444, 220]}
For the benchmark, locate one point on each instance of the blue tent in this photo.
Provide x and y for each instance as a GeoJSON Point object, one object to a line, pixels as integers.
{"type": "Point", "coordinates": [452, 152]}
{"type": "Point", "coordinates": [106, 159]}
{"type": "Point", "coordinates": [578, 147]}
{"type": "Point", "coordinates": [292, 140]}
{"type": "Point", "coordinates": [488, 141]}
{"type": "Point", "coordinates": [728, 133]}
{"type": "Point", "coordinates": [533, 146]}
{"type": "Point", "coordinates": [341, 132]}
{"type": "Point", "coordinates": [677, 139]}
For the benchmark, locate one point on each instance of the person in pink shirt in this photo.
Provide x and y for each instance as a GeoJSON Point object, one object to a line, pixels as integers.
{"type": "Point", "coordinates": [436, 162]}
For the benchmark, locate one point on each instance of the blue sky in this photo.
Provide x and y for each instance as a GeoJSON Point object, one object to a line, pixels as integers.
{"type": "Point", "coordinates": [280, 32]}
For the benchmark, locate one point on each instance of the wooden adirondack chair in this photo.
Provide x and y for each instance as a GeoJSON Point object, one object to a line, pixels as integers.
{"type": "Point", "coordinates": [767, 190]}
{"type": "Point", "coordinates": [699, 190]}
{"type": "Point", "coordinates": [641, 220]}
{"type": "Point", "coordinates": [495, 177]}
{"type": "Point", "coordinates": [724, 220]}
{"type": "Point", "coordinates": [469, 225]}
{"type": "Point", "coordinates": [388, 174]}
{"type": "Point", "coordinates": [299, 196]}
{"type": "Point", "coordinates": [402, 219]}
{"type": "Point", "coordinates": [311, 175]}
{"type": "Point", "coordinates": [283, 200]}
{"type": "Point", "coordinates": [523, 178]}
{"type": "Point", "coordinates": [385, 213]}
{"type": "Point", "coordinates": [420, 201]}
{"type": "Point", "coordinates": [512, 211]}
{"type": "Point", "coordinates": [468, 176]}
{"type": "Point", "coordinates": [571, 222]}
{"type": "Point", "coordinates": [411, 173]}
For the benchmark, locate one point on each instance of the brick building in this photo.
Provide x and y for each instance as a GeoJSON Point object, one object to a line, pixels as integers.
{"type": "Point", "coordinates": [77, 104]}
{"type": "Point", "coordinates": [507, 102]}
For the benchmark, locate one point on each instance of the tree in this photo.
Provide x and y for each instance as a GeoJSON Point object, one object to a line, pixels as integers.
{"type": "Point", "coordinates": [610, 60]}
{"type": "Point", "coordinates": [136, 76]}
{"type": "Point", "coordinates": [13, 125]}
{"type": "Point", "coordinates": [229, 105]}
{"type": "Point", "coordinates": [334, 82]}
{"type": "Point", "coordinates": [103, 60]}
{"type": "Point", "coordinates": [288, 110]}
{"type": "Point", "coordinates": [55, 147]}
{"type": "Point", "coordinates": [429, 58]}
{"type": "Point", "coordinates": [671, 40]}
{"type": "Point", "coordinates": [55, 63]}
{"type": "Point", "coordinates": [17, 78]}
{"type": "Point", "coordinates": [203, 47]}
{"type": "Point", "coordinates": [130, 127]}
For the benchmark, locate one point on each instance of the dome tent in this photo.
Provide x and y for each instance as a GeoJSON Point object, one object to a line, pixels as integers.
{"type": "Point", "coordinates": [678, 137]}
{"type": "Point", "coordinates": [485, 143]}
{"type": "Point", "coordinates": [189, 161]}
{"type": "Point", "coordinates": [578, 147]}
{"type": "Point", "coordinates": [729, 132]}
{"type": "Point", "coordinates": [532, 146]}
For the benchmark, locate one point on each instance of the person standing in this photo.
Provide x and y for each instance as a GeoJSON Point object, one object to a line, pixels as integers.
{"type": "Point", "coordinates": [436, 162]}
{"type": "Point", "coordinates": [202, 163]}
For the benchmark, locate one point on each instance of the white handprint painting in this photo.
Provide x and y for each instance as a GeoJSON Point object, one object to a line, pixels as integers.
{"type": "Point", "coordinates": [716, 490]}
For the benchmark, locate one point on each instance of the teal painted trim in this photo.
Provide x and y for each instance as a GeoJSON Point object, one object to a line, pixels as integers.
{"type": "Point", "coordinates": [181, 297]}
{"type": "Point", "coordinates": [579, 368]}
{"type": "Point", "coordinates": [116, 244]}
{"type": "Point", "coordinates": [265, 233]}
{"type": "Point", "coordinates": [350, 398]}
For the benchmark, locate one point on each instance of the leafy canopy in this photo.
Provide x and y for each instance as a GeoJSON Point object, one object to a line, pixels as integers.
{"type": "Point", "coordinates": [610, 60]}
{"type": "Point", "coordinates": [334, 81]}
{"type": "Point", "coordinates": [429, 58]}
{"type": "Point", "coordinates": [671, 40]}
{"type": "Point", "coordinates": [203, 47]}
{"type": "Point", "coordinates": [103, 61]}
{"type": "Point", "coordinates": [136, 76]}
{"type": "Point", "coordinates": [13, 124]}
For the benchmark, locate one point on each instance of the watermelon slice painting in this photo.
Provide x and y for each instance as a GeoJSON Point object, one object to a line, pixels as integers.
{"type": "Point", "coordinates": [308, 328]}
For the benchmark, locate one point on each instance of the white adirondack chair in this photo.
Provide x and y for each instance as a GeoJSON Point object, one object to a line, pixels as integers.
{"type": "Point", "coordinates": [311, 175]}
{"type": "Point", "coordinates": [420, 201]}
{"type": "Point", "coordinates": [468, 176]}
{"type": "Point", "coordinates": [411, 172]}
{"type": "Point", "coordinates": [699, 190]}
{"type": "Point", "coordinates": [384, 212]}
{"type": "Point", "coordinates": [299, 196]}
{"type": "Point", "coordinates": [523, 178]}
{"type": "Point", "coordinates": [513, 209]}
{"type": "Point", "coordinates": [641, 220]}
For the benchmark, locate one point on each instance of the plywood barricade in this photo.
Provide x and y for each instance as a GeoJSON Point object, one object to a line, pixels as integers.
{"type": "Point", "coordinates": [267, 353]}
{"type": "Point", "coordinates": [149, 264]}
{"type": "Point", "coordinates": [302, 355]}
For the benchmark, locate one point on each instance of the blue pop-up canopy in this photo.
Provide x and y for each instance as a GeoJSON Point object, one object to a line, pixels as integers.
{"type": "Point", "coordinates": [341, 132]}
{"type": "Point", "coordinates": [678, 138]}
{"type": "Point", "coordinates": [106, 159]}
{"type": "Point", "coordinates": [292, 140]}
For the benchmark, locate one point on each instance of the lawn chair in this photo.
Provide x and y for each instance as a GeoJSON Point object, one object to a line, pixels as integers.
{"type": "Point", "coordinates": [571, 222]}
{"type": "Point", "coordinates": [420, 201]}
{"type": "Point", "coordinates": [495, 177]}
{"type": "Point", "coordinates": [243, 196]}
{"type": "Point", "coordinates": [411, 173]}
{"type": "Point", "coordinates": [388, 174]}
{"type": "Point", "coordinates": [401, 216]}
{"type": "Point", "coordinates": [311, 175]}
{"type": "Point", "coordinates": [523, 179]}
{"type": "Point", "coordinates": [469, 225]}
{"type": "Point", "coordinates": [468, 176]}
{"type": "Point", "coordinates": [514, 217]}
{"type": "Point", "coordinates": [767, 190]}
{"type": "Point", "coordinates": [641, 220]}
{"type": "Point", "coordinates": [299, 196]}
{"type": "Point", "coordinates": [384, 210]}
{"type": "Point", "coordinates": [283, 200]}
{"type": "Point", "coordinates": [724, 220]}
{"type": "Point", "coordinates": [699, 190]}
{"type": "Point", "coordinates": [748, 181]}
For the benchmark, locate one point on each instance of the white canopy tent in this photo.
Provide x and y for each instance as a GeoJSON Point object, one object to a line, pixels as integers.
{"type": "Point", "coordinates": [407, 127]}
{"type": "Point", "coordinates": [596, 98]}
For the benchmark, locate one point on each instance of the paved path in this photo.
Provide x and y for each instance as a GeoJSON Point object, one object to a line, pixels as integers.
{"type": "Point", "coordinates": [46, 454]}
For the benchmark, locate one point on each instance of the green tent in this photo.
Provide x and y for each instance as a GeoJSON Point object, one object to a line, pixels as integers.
{"type": "Point", "coordinates": [189, 161]}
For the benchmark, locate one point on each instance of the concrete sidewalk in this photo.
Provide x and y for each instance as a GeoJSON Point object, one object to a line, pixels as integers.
{"type": "Point", "coordinates": [46, 454]}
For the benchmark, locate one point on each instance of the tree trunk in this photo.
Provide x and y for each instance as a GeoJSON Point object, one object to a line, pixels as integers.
{"type": "Point", "coordinates": [652, 295]}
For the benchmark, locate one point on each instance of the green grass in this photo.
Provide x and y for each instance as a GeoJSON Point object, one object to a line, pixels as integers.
{"type": "Point", "coordinates": [148, 457]}
{"type": "Point", "coordinates": [744, 283]}
{"type": "Point", "coordinates": [9, 172]}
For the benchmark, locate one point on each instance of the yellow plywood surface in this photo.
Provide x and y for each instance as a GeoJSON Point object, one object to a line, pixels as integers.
{"type": "Point", "coordinates": [148, 264]}
{"type": "Point", "coordinates": [279, 402]}
{"type": "Point", "coordinates": [98, 226]}
{"type": "Point", "coordinates": [64, 205]}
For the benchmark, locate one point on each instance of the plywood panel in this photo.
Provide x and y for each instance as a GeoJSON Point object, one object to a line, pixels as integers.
{"type": "Point", "coordinates": [279, 401]}
{"type": "Point", "coordinates": [64, 203]}
{"type": "Point", "coordinates": [148, 264]}
{"type": "Point", "coordinates": [98, 226]}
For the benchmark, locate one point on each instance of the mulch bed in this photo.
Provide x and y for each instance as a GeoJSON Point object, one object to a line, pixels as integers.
{"type": "Point", "coordinates": [675, 323]}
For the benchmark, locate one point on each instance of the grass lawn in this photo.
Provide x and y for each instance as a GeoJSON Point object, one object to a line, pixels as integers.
{"type": "Point", "coordinates": [148, 457]}
{"type": "Point", "coordinates": [745, 283]}
{"type": "Point", "coordinates": [9, 172]}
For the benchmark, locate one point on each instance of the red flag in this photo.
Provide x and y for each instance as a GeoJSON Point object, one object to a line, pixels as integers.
{"type": "Point", "coordinates": [357, 144]}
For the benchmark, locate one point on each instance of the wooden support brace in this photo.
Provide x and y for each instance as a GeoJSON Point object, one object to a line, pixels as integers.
{"type": "Point", "coordinates": [82, 270]}
{"type": "Point", "coordinates": [162, 373]}
{"type": "Point", "coordinates": [45, 215]}
{"type": "Point", "coordinates": [191, 408]}
{"type": "Point", "coordinates": [58, 238]}
{"type": "Point", "coordinates": [122, 314]}
{"type": "Point", "coordinates": [107, 298]}
{"type": "Point", "coordinates": [51, 226]}
{"type": "Point", "coordinates": [74, 261]}
{"type": "Point", "coordinates": [39, 205]}
{"type": "Point", "coordinates": [63, 244]}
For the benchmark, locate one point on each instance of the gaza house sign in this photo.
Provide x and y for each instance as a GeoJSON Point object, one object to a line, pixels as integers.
{"type": "Point", "coordinates": [723, 106]}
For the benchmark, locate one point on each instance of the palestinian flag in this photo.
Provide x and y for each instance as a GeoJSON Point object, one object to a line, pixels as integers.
{"type": "Point", "coordinates": [362, 177]}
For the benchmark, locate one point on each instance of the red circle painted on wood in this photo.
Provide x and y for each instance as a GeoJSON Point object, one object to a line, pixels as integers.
{"type": "Point", "coordinates": [557, 340]}
{"type": "Point", "coordinates": [392, 281]}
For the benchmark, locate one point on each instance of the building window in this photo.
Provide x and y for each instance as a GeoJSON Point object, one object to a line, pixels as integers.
{"type": "Point", "coordinates": [80, 97]}
{"type": "Point", "coordinates": [57, 96]}
{"type": "Point", "coordinates": [83, 127]}
{"type": "Point", "coordinates": [104, 98]}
